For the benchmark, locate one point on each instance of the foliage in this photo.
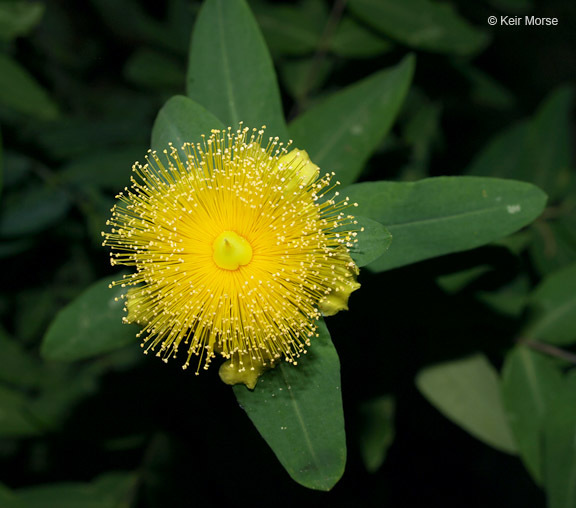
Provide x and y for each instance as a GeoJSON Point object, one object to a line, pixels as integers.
{"type": "Point", "coordinates": [449, 382]}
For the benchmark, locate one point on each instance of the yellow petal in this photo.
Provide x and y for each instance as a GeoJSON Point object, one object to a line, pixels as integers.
{"type": "Point", "coordinates": [298, 169]}
{"type": "Point", "coordinates": [337, 299]}
{"type": "Point", "coordinates": [133, 305]}
{"type": "Point", "coordinates": [244, 369]}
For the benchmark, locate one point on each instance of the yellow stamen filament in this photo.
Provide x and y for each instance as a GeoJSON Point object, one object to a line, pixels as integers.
{"type": "Point", "coordinates": [235, 245]}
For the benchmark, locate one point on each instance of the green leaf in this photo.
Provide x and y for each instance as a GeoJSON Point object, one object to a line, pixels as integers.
{"type": "Point", "coordinates": [230, 71]}
{"type": "Point", "coordinates": [554, 243]}
{"type": "Point", "coordinates": [549, 154]}
{"type": "Point", "coordinates": [20, 91]}
{"type": "Point", "coordinates": [485, 90]}
{"type": "Point", "coordinates": [560, 446]}
{"type": "Point", "coordinates": [421, 129]}
{"type": "Point", "coordinates": [352, 40]}
{"type": "Point", "coordinates": [421, 24]}
{"type": "Point", "coordinates": [181, 120]}
{"type": "Point", "coordinates": [554, 305]}
{"type": "Point", "coordinates": [291, 30]}
{"type": "Point", "coordinates": [9, 498]}
{"type": "Point", "coordinates": [453, 283]}
{"type": "Point", "coordinates": [15, 417]}
{"type": "Point", "coordinates": [502, 154]}
{"type": "Point", "coordinates": [17, 367]}
{"type": "Point", "coordinates": [441, 215]}
{"type": "Point", "coordinates": [341, 133]}
{"type": "Point", "coordinates": [301, 76]}
{"type": "Point", "coordinates": [110, 169]}
{"type": "Point", "coordinates": [1, 164]}
{"type": "Point", "coordinates": [467, 391]}
{"type": "Point", "coordinates": [298, 411]}
{"type": "Point", "coordinates": [377, 431]}
{"type": "Point", "coordinates": [91, 325]}
{"type": "Point", "coordinates": [18, 18]}
{"type": "Point", "coordinates": [539, 150]}
{"type": "Point", "coordinates": [372, 242]}
{"type": "Point", "coordinates": [155, 70]}
{"type": "Point", "coordinates": [74, 136]}
{"type": "Point", "coordinates": [509, 300]}
{"type": "Point", "coordinates": [108, 491]}
{"type": "Point", "coordinates": [32, 211]}
{"type": "Point", "coordinates": [529, 382]}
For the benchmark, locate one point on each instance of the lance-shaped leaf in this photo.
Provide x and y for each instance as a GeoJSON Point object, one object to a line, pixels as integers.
{"type": "Point", "coordinates": [539, 150]}
{"type": "Point", "coordinates": [467, 391]}
{"type": "Point", "coordinates": [377, 430]}
{"type": "Point", "coordinates": [341, 133]}
{"type": "Point", "coordinates": [422, 24]}
{"type": "Point", "coordinates": [529, 383]}
{"type": "Point", "coordinates": [181, 120]}
{"type": "Point", "coordinates": [441, 215]}
{"type": "Point", "coordinates": [230, 71]}
{"type": "Point", "coordinates": [560, 446]}
{"type": "Point", "coordinates": [21, 92]}
{"type": "Point", "coordinates": [90, 325]}
{"type": "Point", "coordinates": [298, 411]}
{"type": "Point", "coordinates": [554, 306]}
{"type": "Point", "coordinates": [373, 240]}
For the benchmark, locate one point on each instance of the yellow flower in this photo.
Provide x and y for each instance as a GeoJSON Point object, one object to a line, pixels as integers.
{"type": "Point", "coordinates": [237, 249]}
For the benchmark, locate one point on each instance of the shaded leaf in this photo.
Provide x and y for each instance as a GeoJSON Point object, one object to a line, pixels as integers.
{"type": "Point", "coordinates": [155, 70]}
{"type": "Point", "coordinates": [455, 282]}
{"type": "Point", "coordinates": [539, 150]}
{"type": "Point", "coordinates": [554, 243]}
{"type": "Point", "coordinates": [15, 418]}
{"type": "Point", "coordinates": [560, 446]}
{"type": "Point", "coordinates": [529, 383]}
{"type": "Point", "coordinates": [21, 92]}
{"type": "Point", "coordinates": [18, 18]}
{"type": "Point", "coordinates": [437, 216]}
{"type": "Point", "coordinates": [554, 305]}
{"type": "Point", "coordinates": [33, 210]}
{"type": "Point", "coordinates": [509, 300]}
{"type": "Point", "coordinates": [107, 491]}
{"type": "Point", "coordinates": [342, 132]}
{"type": "Point", "coordinates": [372, 242]}
{"type": "Point", "coordinates": [298, 411]}
{"type": "Point", "coordinates": [467, 391]}
{"type": "Point", "coordinates": [90, 325]}
{"type": "Point", "coordinates": [292, 30]}
{"type": "Point", "coordinates": [10, 499]}
{"type": "Point", "coordinates": [352, 40]}
{"type": "Point", "coordinates": [377, 430]}
{"type": "Point", "coordinates": [302, 76]}
{"type": "Point", "coordinates": [422, 24]}
{"type": "Point", "coordinates": [485, 90]}
{"type": "Point", "coordinates": [230, 71]}
{"type": "Point", "coordinates": [181, 120]}
{"type": "Point", "coordinates": [71, 137]}
{"type": "Point", "coordinates": [17, 367]}
{"type": "Point", "coordinates": [104, 169]}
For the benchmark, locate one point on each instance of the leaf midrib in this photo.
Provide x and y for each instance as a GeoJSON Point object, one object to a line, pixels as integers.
{"type": "Point", "coordinates": [225, 68]}
{"type": "Point", "coordinates": [453, 216]}
{"type": "Point", "coordinates": [303, 425]}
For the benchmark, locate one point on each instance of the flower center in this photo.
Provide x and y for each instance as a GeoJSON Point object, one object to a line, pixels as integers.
{"type": "Point", "coordinates": [230, 251]}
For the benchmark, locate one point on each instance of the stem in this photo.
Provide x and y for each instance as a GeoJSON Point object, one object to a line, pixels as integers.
{"type": "Point", "coordinates": [319, 55]}
{"type": "Point", "coordinates": [549, 350]}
